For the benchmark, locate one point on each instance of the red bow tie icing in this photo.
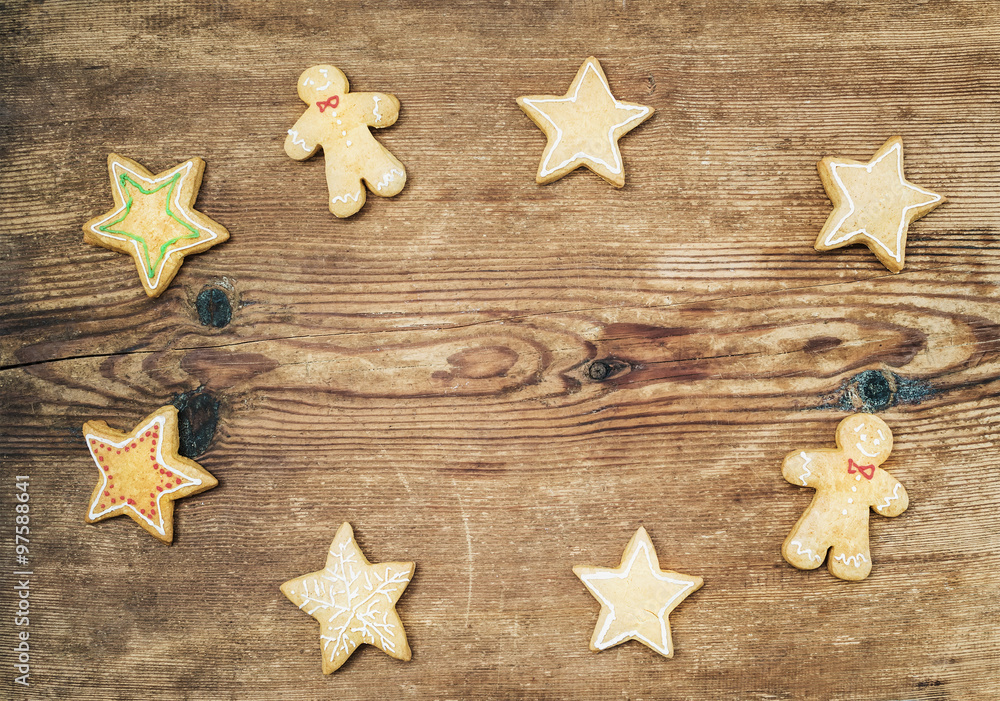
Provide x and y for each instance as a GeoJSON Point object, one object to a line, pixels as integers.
{"type": "Point", "coordinates": [330, 102]}
{"type": "Point", "coordinates": [867, 470]}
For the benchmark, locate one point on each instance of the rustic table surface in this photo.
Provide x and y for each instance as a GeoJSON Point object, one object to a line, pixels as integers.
{"type": "Point", "coordinates": [495, 379]}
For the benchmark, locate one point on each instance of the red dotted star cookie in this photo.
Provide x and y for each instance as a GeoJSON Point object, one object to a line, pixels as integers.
{"type": "Point", "coordinates": [142, 473]}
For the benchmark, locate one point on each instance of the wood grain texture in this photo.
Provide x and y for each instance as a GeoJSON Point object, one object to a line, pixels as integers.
{"type": "Point", "coordinates": [499, 380]}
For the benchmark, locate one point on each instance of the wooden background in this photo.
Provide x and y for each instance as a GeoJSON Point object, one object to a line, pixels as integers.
{"type": "Point", "coordinates": [495, 379]}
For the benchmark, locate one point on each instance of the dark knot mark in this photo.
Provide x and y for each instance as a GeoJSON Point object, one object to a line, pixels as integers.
{"type": "Point", "coordinates": [598, 370]}
{"type": "Point", "coordinates": [214, 307]}
{"type": "Point", "coordinates": [872, 391]}
{"type": "Point", "coordinates": [198, 415]}
{"type": "Point", "coordinates": [605, 369]}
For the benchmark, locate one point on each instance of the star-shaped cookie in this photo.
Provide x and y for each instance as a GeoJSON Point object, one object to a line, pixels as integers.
{"type": "Point", "coordinates": [583, 126]}
{"type": "Point", "coordinates": [636, 597]}
{"type": "Point", "coordinates": [354, 601]}
{"type": "Point", "coordinates": [873, 204]}
{"type": "Point", "coordinates": [154, 219]}
{"type": "Point", "coordinates": [141, 472]}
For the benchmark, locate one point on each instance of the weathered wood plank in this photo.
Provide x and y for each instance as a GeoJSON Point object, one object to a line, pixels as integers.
{"type": "Point", "coordinates": [499, 380]}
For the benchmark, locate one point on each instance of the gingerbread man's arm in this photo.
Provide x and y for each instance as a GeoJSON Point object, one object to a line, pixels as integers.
{"type": "Point", "coordinates": [375, 108]}
{"type": "Point", "coordinates": [890, 495]}
{"type": "Point", "coordinates": [804, 469]}
{"type": "Point", "coordinates": [299, 143]}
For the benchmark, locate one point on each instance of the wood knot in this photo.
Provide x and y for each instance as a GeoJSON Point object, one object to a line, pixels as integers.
{"type": "Point", "coordinates": [197, 418]}
{"type": "Point", "coordinates": [605, 369]}
{"type": "Point", "coordinates": [872, 391]}
{"type": "Point", "coordinates": [598, 370]}
{"type": "Point", "coordinates": [214, 307]}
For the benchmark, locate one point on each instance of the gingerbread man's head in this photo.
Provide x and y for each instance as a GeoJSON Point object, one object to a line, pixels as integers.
{"type": "Point", "coordinates": [865, 439]}
{"type": "Point", "coordinates": [321, 82]}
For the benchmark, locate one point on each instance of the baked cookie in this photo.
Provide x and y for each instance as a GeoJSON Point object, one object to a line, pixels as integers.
{"type": "Point", "coordinates": [873, 204]}
{"type": "Point", "coordinates": [141, 472]}
{"type": "Point", "coordinates": [636, 597]}
{"type": "Point", "coordinates": [354, 601]}
{"type": "Point", "coordinates": [154, 219]}
{"type": "Point", "coordinates": [583, 126]}
{"type": "Point", "coordinates": [848, 482]}
{"type": "Point", "coordinates": [338, 121]}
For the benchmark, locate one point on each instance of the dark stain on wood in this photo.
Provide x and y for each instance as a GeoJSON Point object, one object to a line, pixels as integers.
{"type": "Point", "coordinates": [872, 391]}
{"type": "Point", "coordinates": [214, 307]}
{"type": "Point", "coordinates": [819, 344]}
{"type": "Point", "coordinates": [198, 416]}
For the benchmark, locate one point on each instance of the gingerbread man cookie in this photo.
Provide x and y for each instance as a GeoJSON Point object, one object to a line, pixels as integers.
{"type": "Point", "coordinates": [154, 219]}
{"type": "Point", "coordinates": [848, 482]}
{"type": "Point", "coordinates": [142, 473]}
{"type": "Point", "coordinates": [873, 204]}
{"type": "Point", "coordinates": [354, 601]}
{"type": "Point", "coordinates": [338, 121]}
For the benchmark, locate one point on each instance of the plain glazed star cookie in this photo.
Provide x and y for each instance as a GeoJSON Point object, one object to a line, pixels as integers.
{"type": "Point", "coordinates": [848, 482]}
{"type": "Point", "coordinates": [583, 126]}
{"type": "Point", "coordinates": [873, 204]}
{"type": "Point", "coordinates": [141, 472]}
{"type": "Point", "coordinates": [636, 597]}
{"type": "Point", "coordinates": [154, 219]}
{"type": "Point", "coordinates": [354, 601]}
{"type": "Point", "coordinates": [338, 121]}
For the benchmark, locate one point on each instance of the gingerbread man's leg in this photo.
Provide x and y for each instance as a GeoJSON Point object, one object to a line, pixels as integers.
{"type": "Point", "coordinates": [850, 557]}
{"type": "Point", "coordinates": [806, 546]}
{"type": "Point", "coordinates": [347, 192]}
{"type": "Point", "coordinates": [384, 174]}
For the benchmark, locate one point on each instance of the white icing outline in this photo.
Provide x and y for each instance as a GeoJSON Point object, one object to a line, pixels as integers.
{"type": "Point", "coordinates": [859, 558]}
{"type": "Point", "coordinates": [344, 198]}
{"type": "Point", "coordinates": [895, 495]}
{"type": "Point", "coordinates": [160, 421]}
{"type": "Point", "coordinates": [897, 255]}
{"type": "Point", "coordinates": [181, 210]}
{"type": "Point", "coordinates": [664, 648]}
{"type": "Point", "coordinates": [387, 177]}
{"type": "Point", "coordinates": [807, 472]}
{"type": "Point", "coordinates": [533, 103]}
{"type": "Point", "coordinates": [375, 108]}
{"type": "Point", "coordinates": [297, 141]}
{"type": "Point", "coordinates": [807, 551]}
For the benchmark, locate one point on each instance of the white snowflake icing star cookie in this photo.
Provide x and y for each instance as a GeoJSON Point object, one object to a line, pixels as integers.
{"type": "Point", "coordinates": [354, 601]}
{"type": "Point", "coordinates": [583, 126]}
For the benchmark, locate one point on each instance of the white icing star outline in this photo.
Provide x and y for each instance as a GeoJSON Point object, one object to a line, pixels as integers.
{"type": "Point", "coordinates": [832, 239]}
{"type": "Point", "coordinates": [122, 197]}
{"type": "Point", "coordinates": [639, 545]}
{"type": "Point", "coordinates": [638, 113]}
{"type": "Point", "coordinates": [159, 422]}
